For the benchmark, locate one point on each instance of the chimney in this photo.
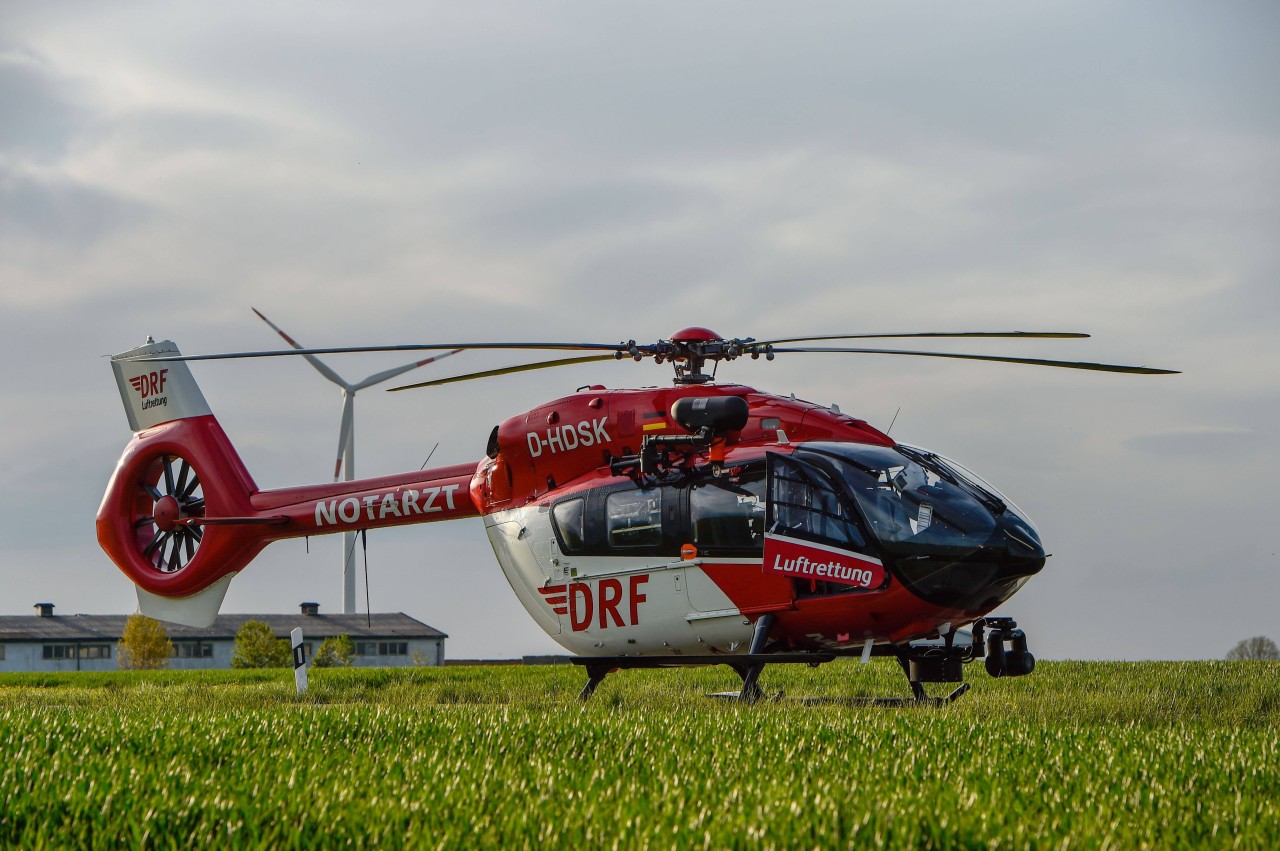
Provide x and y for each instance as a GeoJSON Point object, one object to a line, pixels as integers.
{"type": "Point", "coordinates": [45, 610]}
{"type": "Point", "coordinates": [310, 608]}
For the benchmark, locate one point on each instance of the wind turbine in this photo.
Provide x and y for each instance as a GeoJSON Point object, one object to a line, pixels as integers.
{"type": "Point", "coordinates": [346, 461]}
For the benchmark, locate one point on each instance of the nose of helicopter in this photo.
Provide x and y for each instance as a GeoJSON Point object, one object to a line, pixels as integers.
{"type": "Point", "coordinates": [1025, 555]}
{"type": "Point", "coordinates": [978, 580]}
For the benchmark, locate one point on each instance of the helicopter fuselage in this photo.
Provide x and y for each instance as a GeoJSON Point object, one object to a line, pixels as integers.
{"type": "Point", "coordinates": [797, 514]}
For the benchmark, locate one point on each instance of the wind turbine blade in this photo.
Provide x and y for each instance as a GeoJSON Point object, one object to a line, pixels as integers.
{"type": "Point", "coordinates": [344, 430]}
{"type": "Point", "coordinates": [392, 373]}
{"type": "Point", "coordinates": [320, 365]}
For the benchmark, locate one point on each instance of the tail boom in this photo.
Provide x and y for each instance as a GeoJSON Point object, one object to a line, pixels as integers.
{"type": "Point", "coordinates": [181, 514]}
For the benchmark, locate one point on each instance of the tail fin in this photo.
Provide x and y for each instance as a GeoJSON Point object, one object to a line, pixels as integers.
{"type": "Point", "coordinates": [179, 469]}
{"type": "Point", "coordinates": [155, 393]}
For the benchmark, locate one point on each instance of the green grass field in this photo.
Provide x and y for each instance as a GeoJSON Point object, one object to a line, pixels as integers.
{"type": "Point", "coordinates": [1089, 755]}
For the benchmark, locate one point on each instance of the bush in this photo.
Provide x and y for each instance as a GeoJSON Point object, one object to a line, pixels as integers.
{"type": "Point", "coordinates": [256, 647]}
{"type": "Point", "coordinates": [335, 652]}
{"type": "Point", "coordinates": [144, 645]}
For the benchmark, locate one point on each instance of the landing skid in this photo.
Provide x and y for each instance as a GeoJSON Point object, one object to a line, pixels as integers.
{"type": "Point", "coordinates": [749, 667]}
{"type": "Point", "coordinates": [923, 700]}
{"type": "Point", "coordinates": [922, 663]}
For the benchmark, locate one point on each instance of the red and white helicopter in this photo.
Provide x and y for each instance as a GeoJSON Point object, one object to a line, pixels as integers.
{"type": "Point", "coordinates": [700, 523]}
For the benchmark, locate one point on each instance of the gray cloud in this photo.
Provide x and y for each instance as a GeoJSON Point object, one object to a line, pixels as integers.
{"type": "Point", "coordinates": [59, 211]}
{"type": "Point", "coordinates": [48, 117]}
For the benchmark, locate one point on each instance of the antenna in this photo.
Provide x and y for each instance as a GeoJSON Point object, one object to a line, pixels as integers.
{"type": "Point", "coordinates": [894, 420]}
{"type": "Point", "coordinates": [368, 608]}
{"type": "Point", "coordinates": [345, 464]}
{"type": "Point", "coordinates": [429, 454]}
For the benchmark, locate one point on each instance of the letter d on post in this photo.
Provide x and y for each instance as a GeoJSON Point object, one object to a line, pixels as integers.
{"type": "Point", "coordinates": [299, 661]}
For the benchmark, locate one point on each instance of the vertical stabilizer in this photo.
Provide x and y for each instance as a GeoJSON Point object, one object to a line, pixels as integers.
{"type": "Point", "coordinates": [199, 610]}
{"type": "Point", "coordinates": [156, 392]}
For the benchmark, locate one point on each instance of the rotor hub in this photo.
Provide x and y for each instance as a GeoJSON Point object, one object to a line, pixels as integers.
{"type": "Point", "coordinates": [166, 513]}
{"type": "Point", "coordinates": [695, 335]}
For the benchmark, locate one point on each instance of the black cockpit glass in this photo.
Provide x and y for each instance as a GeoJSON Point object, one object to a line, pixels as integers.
{"type": "Point", "coordinates": [911, 501]}
{"type": "Point", "coordinates": [806, 503]}
{"type": "Point", "coordinates": [973, 482]}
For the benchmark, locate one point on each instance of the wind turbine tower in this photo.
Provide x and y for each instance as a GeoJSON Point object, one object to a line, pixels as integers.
{"type": "Point", "coordinates": [345, 465]}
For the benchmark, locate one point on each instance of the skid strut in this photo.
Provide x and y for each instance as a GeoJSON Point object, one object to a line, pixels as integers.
{"type": "Point", "coordinates": [751, 691]}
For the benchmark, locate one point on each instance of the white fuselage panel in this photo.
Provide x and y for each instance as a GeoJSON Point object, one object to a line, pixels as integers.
{"type": "Point", "coordinates": [612, 605]}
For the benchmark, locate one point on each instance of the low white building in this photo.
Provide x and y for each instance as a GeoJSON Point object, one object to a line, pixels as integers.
{"type": "Point", "coordinates": [49, 642]}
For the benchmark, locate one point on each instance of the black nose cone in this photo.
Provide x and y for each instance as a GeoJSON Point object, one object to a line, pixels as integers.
{"type": "Point", "coordinates": [1025, 554]}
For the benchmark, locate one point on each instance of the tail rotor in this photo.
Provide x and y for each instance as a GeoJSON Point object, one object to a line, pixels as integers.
{"type": "Point", "coordinates": [170, 535]}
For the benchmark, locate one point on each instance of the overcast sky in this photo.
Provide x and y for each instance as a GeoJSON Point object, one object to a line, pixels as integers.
{"type": "Point", "coordinates": [558, 171]}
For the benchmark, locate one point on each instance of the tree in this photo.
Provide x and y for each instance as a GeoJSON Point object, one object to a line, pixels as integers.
{"type": "Point", "coordinates": [336, 651]}
{"type": "Point", "coordinates": [1259, 648]}
{"type": "Point", "coordinates": [144, 645]}
{"type": "Point", "coordinates": [256, 647]}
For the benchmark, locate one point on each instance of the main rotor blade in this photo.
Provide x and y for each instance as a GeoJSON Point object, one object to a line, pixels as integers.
{"type": "Point", "coordinates": [1099, 367]}
{"type": "Point", "coordinates": [321, 366]}
{"type": "Point", "coordinates": [344, 430]}
{"type": "Point", "coordinates": [412, 347]}
{"type": "Point", "coordinates": [1057, 335]}
{"type": "Point", "coordinates": [507, 370]}
{"type": "Point", "coordinates": [380, 377]}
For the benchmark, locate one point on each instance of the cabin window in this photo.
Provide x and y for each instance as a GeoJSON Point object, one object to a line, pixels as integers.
{"type": "Point", "coordinates": [74, 651]}
{"type": "Point", "coordinates": [634, 518]}
{"type": "Point", "coordinates": [728, 515]}
{"type": "Point", "coordinates": [193, 649]}
{"type": "Point", "coordinates": [568, 518]}
{"type": "Point", "coordinates": [382, 648]}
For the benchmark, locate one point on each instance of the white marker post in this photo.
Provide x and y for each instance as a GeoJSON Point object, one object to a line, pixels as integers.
{"type": "Point", "coordinates": [299, 661]}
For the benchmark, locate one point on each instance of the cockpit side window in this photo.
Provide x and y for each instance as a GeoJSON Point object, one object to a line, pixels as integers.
{"type": "Point", "coordinates": [805, 503]}
{"type": "Point", "coordinates": [567, 517]}
{"type": "Point", "coordinates": [634, 518]}
{"type": "Point", "coordinates": [727, 515]}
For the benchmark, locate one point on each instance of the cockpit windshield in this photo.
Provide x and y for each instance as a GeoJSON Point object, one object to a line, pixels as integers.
{"type": "Point", "coordinates": [911, 499]}
{"type": "Point", "coordinates": [972, 478]}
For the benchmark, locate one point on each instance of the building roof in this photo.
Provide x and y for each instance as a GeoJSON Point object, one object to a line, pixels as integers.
{"type": "Point", "coordinates": [110, 627]}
